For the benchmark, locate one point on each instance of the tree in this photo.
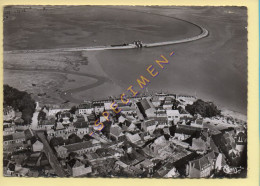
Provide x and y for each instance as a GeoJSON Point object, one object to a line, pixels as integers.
{"type": "Point", "coordinates": [21, 101]}
{"type": "Point", "coordinates": [41, 115]}
{"type": "Point", "coordinates": [175, 104]}
{"type": "Point", "coordinates": [73, 110]}
{"type": "Point", "coordinates": [73, 138]}
{"type": "Point", "coordinates": [71, 119]}
{"type": "Point", "coordinates": [205, 109]}
{"type": "Point", "coordinates": [87, 137]}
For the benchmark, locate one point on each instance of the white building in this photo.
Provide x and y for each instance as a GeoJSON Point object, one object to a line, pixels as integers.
{"type": "Point", "coordinates": [173, 115]}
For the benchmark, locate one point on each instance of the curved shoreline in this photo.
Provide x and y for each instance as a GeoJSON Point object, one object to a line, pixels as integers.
{"type": "Point", "coordinates": [67, 95]}
{"type": "Point", "coordinates": [204, 33]}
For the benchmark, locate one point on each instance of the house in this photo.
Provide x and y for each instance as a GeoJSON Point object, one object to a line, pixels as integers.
{"type": "Point", "coordinates": [46, 124]}
{"type": "Point", "coordinates": [161, 96]}
{"type": "Point", "coordinates": [77, 169]}
{"type": "Point", "coordinates": [133, 138]}
{"type": "Point", "coordinates": [64, 117]}
{"type": "Point", "coordinates": [132, 127]}
{"type": "Point", "coordinates": [99, 107]}
{"type": "Point", "coordinates": [125, 124]}
{"type": "Point", "coordinates": [18, 121]}
{"type": "Point", "coordinates": [121, 119]}
{"type": "Point", "coordinates": [156, 101]}
{"type": "Point", "coordinates": [197, 123]}
{"type": "Point", "coordinates": [146, 108]}
{"type": "Point", "coordinates": [148, 126]}
{"type": "Point", "coordinates": [54, 111]}
{"type": "Point", "coordinates": [8, 129]}
{"type": "Point", "coordinates": [173, 115]}
{"type": "Point", "coordinates": [91, 119]}
{"type": "Point", "coordinates": [125, 108]}
{"type": "Point", "coordinates": [168, 100]}
{"type": "Point", "coordinates": [182, 132]}
{"type": "Point", "coordinates": [34, 159]}
{"type": "Point", "coordinates": [81, 128]}
{"type": "Point", "coordinates": [161, 113]}
{"type": "Point", "coordinates": [202, 167]}
{"type": "Point", "coordinates": [160, 146]}
{"type": "Point", "coordinates": [116, 133]}
{"type": "Point", "coordinates": [21, 171]}
{"type": "Point", "coordinates": [180, 143]}
{"type": "Point", "coordinates": [79, 148]}
{"type": "Point", "coordinates": [61, 151]}
{"type": "Point", "coordinates": [199, 145]}
{"type": "Point", "coordinates": [167, 106]}
{"type": "Point", "coordinates": [226, 142]}
{"type": "Point", "coordinates": [14, 141]}
{"type": "Point", "coordinates": [186, 99]}
{"type": "Point", "coordinates": [146, 165]}
{"type": "Point", "coordinates": [240, 141]}
{"type": "Point", "coordinates": [168, 170]}
{"type": "Point", "coordinates": [86, 108]}
{"type": "Point", "coordinates": [37, 146]}
{"type": "Point", "coordinates": [121, 164]}
{"type": "Point", "coordinates": [161, 122]}
{"type": "Point", "coordinates": [9, 113]}
{"type": "Point", "coordinates": [9, 168]}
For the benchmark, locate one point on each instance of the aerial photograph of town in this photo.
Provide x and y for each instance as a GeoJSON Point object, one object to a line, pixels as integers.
{"type": "Point", "coordinates": [125, 91]}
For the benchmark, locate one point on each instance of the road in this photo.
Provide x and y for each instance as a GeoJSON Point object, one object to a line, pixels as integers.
{"type": "Point", "coordinates": [55, 164]}
{"type": "Point", "coordinates": [204, 33]}
{"type": "Point", "coordinates": [34, 123]}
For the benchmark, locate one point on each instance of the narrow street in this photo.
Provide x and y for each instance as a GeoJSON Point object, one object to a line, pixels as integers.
{"type": "Point", "coordinates": [34, 123]}
{"type": "Point", "coordinates": [55, 164]}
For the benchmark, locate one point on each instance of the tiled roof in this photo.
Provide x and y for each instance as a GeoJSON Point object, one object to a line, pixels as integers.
{"type": "Point", "coordinates": [185, 129]}
{"type": "Point", "coordinates": [80, 124]}
{"type": "Point", "coordinates": [133, 138]}
{"type": "Point", "coordinates": [116, 131]}
{"type": "Point", "coordinates": [145, 104]}
{"type": "Point", "coordinates": [146, 163]}
{"type": "Point", "coordinates": [85, 106]}
{"type": "Point", "coordinates": [168, 99]}
{"type": "Point", "coordinates": [149, 122]}
{"type": "Point", "coordinates": [60, 148]}
{"type": "Point", "coordinates": [18, 135]}
{"type": "Point", "coordinates": [98, 104]}
{"type": "Point", "coordinates": [155, 99]}
{"type": "Point", "coordinates": [78, 146]}
{"type": "Point", "coordinates": [201, 163]}
{"type": "Point", "coordinates": [8, 137]}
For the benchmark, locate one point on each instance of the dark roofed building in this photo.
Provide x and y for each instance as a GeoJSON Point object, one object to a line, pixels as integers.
{"type": "Point", "coordinates": [80, 124]}
{"type": "Point", "coordinates": [82, 147]}
{"type": "Point", "coordinates": [185, 129]}
{"type": "Point", "coordinates": [85, 106]}
{"type": "Point", "coordinates": [202, 167]}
